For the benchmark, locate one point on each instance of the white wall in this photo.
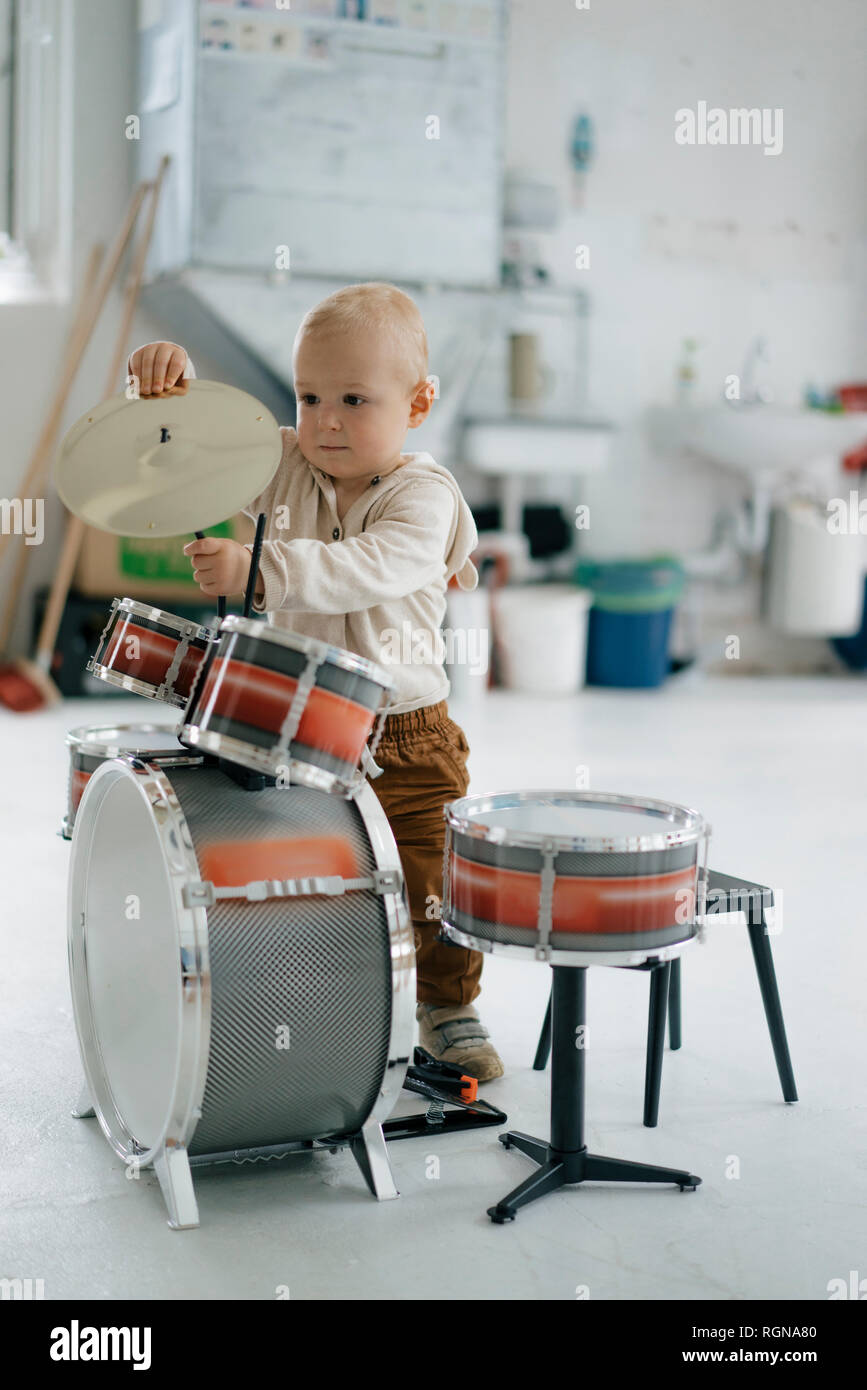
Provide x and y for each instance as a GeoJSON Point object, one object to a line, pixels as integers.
{"type": "Point", "coordinates": [631, 65]}
{"type": "Point", "coordinates": [714, 243]}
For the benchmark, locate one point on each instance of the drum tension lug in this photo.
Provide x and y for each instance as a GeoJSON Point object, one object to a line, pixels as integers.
{"type": "Point", "coordinates": [198, 895]}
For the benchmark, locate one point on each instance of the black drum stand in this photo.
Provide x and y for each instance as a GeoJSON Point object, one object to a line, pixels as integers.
{"type": "Point", "coordinates": [564, 1159]}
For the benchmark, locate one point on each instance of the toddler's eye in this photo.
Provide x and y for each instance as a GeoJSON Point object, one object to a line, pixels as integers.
{"type": "Point", "coordinates": [308, 398]}
{"type": "Point", "coordinates": [354, 400]}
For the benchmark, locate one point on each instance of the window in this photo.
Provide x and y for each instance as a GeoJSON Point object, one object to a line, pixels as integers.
{"type": "Point", "coordinates": [35, 149]}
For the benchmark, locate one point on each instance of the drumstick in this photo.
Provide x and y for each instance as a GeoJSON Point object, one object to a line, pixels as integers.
{"type": "Point", "coordinates": [254, 565]}
{"type": "Point", "coordinates": [221, 601]}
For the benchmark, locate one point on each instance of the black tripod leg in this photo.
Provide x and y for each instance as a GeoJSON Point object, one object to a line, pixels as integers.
{"type": "Point", "coordinates": [674, 1031]}
{"type": "Point", "coordinates": [601, 1169]}
{"type": "Point", "coordinates": [543, 1050]}
{"type": "Point", "coordinates": [656, 1015]}
{"type": "Point", "coordinates": [548, 1178]}
{"type": "Point", "coordinates": [773, 1009]}
{"type": "Point", "coordinates": [527, 1143]}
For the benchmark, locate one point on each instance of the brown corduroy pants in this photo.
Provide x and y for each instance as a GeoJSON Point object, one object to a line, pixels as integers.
{"type": "Point", "coordinates": [424, 754]}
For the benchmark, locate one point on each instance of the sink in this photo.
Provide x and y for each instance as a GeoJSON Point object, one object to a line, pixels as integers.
{"type": "Point", "coordinates": [762, 442]}
{"type": "Point", "coordinates": [512, 444]}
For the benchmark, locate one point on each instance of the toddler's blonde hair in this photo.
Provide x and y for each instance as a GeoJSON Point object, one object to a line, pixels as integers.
{"type": "Point", "coordinates": [378, 306]}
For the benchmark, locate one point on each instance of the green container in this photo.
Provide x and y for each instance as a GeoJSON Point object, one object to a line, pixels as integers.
{"type": "Point", "coordinates": [632, 586]}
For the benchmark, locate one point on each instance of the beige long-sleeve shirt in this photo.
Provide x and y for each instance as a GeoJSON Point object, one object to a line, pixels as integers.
{"type": "Point", "coordinates": [375, 582]}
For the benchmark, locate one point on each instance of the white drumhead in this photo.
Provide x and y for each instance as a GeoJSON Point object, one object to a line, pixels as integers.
{"type": "Point", "coordinates": [119, 881]}
{"type": "Point", "coordinates": [540, 818]}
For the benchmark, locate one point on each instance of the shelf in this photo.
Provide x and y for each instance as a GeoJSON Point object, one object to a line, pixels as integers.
{"type": "Point", "coordinates": [356, 28]}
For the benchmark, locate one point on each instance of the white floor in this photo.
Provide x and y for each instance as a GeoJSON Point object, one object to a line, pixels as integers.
{"type": "Point", "coordinates": [779, 768]}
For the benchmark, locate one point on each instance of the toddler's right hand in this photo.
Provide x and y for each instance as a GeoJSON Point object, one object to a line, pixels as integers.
{"type": "Point", "coordinates": [160, 369]}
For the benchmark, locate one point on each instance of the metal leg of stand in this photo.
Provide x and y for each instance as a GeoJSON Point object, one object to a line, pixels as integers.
{"type": "Point", "coordinates": [83, 1108]}
{"type": "Point", "coordinates": [764, 961]}
{"type": "Point", "coordinates": [675, 1036]}
{"type": "Point", "coordinates": [172, 1167]}
{"type": "Point", "coordinates": [660, 977]}
{"type": "Point", "coordinates": [564, 1159]}
{"type": "Point", "coordinates": [729, 893]}
{"type": "Point", "coordinates": [543, 1049]}
{"type": "Point", "coordinates": [370, 1153]}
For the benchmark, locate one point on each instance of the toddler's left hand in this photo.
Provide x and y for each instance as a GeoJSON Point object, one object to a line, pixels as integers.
{"type": "Point", "coordinates": [219, 566]}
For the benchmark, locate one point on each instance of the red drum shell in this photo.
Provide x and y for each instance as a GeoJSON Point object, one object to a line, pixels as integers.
{"type": "Point", "coordinates": [156, 651]}
{"type": "Point", "coordinates": [581, 905]}
{"type": "Point", "coordinates": [241, 705]}
{"type": "Point", "coordinates": [262, 698]}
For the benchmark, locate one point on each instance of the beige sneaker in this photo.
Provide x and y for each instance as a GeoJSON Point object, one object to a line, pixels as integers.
{"type": "Point", "coordinates": [454, 1033]}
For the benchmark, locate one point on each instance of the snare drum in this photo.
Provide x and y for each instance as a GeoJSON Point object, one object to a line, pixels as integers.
{"type": "Point", "coordinates": [559, 872]}
{"type": "Point", "coordinates": [290, 706]}
{"type": "Point", "coordinates": [150, 652]}
{"type": "Point", "coordinates": [241, 963]}
{"type": "Point", "coordinates": [90, 747]}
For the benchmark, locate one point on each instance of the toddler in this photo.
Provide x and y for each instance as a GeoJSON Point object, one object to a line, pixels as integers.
{"type": "Point", "coordinates": [360, 543]}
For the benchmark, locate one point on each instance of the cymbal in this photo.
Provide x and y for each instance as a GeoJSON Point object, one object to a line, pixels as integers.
{"type": "Point", "coordinates": [166, 465]}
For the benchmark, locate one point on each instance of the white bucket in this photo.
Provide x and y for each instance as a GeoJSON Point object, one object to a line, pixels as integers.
{"type": "Point", "coordinates": [541, 637]}
{"type": "Point", "coordinates": [814, 583]}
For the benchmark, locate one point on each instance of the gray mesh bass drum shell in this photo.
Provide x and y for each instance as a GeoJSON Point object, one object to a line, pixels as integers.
{"type": "Point", "coordinates": [239, 1024]}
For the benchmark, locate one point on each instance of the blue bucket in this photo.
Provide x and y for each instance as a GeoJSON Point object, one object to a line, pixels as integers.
{"type": "Point", "coordinates": [630, 621]}
{"type": "Point", "coordinates": [853, 650]}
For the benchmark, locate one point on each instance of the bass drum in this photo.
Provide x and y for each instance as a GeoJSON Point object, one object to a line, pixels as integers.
{"type": "Point", "coordinates": [242, 969]}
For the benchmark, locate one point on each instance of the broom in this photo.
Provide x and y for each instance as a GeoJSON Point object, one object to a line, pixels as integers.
{"type": "Point", "coordinates": [22, 687]}
{"type": "Point", "coordinates": [28, 683]}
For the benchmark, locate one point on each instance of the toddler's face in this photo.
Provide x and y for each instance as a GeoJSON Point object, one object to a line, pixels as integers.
{"type": "Point", "coordinates": [354, 406]}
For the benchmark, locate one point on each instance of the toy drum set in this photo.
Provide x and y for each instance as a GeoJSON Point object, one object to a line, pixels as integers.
{"type": "Point", "coordinates": [241, 954]}
{"type": "Point", "coordinates": [286, 908]}
{"type": "Point", "coordinates": [260, 992]}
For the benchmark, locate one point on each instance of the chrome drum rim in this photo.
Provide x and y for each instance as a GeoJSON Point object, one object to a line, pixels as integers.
{"type": "Point", "coordinates": [465, 815]}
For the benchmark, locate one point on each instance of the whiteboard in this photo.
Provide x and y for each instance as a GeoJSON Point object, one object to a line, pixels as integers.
{"type": "Point", "coordinates": [324, 147]}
